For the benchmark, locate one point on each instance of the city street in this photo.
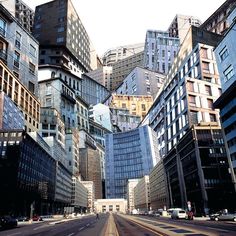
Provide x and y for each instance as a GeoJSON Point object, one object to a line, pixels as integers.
{"type": "Point", "coordinates": [85, 226]}
{"type": "Point", "coordinates": [143, 225]}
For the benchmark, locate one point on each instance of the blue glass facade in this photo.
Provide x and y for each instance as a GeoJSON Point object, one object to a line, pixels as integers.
{"type": "Point", "coordinates": [129, 155]}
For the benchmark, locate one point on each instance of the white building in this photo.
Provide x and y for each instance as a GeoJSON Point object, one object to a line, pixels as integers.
{"type": "Point", "coordinates": [130, 193]}
{"type": "Point", "coordinates": [89, 185]}
{"type": "Point", "coordinates": [111, 205]}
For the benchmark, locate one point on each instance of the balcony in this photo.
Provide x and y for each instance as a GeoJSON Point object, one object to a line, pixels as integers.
{"type": "Point", "coordinates": [68, 97]}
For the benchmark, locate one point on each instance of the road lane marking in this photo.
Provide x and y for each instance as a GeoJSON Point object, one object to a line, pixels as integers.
{"type": "Point", "coordinates": [13, 234]}
{"type": "Point", "coordinates": [81, 228]}
{"type": "Point", "coordinates": [87, 225]}
{"type": "Point", "coordinates": [39, 227]}
{"type": "Point", "coordinates": [71, 234]}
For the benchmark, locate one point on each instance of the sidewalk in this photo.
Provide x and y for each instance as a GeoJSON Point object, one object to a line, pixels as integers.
{"type": "Point", "coordinates": [111, 229]}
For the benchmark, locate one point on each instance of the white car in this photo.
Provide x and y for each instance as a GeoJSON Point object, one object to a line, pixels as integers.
{"type": "Point", "coordinates": [179, 214]}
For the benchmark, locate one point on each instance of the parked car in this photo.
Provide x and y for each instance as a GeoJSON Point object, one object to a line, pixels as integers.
{"type": "Point", "coordinates": [179, 214]}
{"type": "Point", "coordinates": [37, 218]}
{"type": "Point", "coordinates": [7, 222]}
{"type": "Point", "coordinates": [22, 218]}
{"type": "Point", "coordinates": [169, 211]}
{"type": "Point", "coordinates": [223, 216]}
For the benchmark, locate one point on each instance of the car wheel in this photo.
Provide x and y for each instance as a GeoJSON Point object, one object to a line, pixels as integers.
{"type": "Point", "coordinates": [216, 218]}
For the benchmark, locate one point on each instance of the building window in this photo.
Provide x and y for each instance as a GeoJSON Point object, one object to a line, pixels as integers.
{"type": "Point", "coordinates": [210, 103]}
{"type": "Point", "coordinates": [223, 53]}
{"type": "Point", "coordinates": [3, 27]}
{"type": "Point", "coordinates": [16, 59]}
{"type": "Point", "coordinates": [208, 90]}
{"type": "Point", "coordinates": [192, 100]}
{"type": "Point", "coordinates": [143, 107]}
{"type": "Point", "coordinates": [60, 39]}
{"type": "Point", "coordinates": [212, 117]}
{"type": "Point", "coordinates": [18, 40]}
{"type": "Point", "coordinates": [60, 29]}
{"type": "Point", "coordinates": [32, 50]}
{"type": "Point", "coordinates": [229, 73]}
{"type": "Point", "coordinates": [31, 87]}
{"type": "Point", "coordinates": [31, 68]}
{"type": "Point", "coordinates": [205, 66]}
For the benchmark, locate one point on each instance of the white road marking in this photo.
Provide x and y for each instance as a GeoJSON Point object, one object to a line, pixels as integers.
{"type": "Point", "coordinates": [81, 228]}
{"type": "Point", "coordinates": [42, 226]}
{"type": "Point", "coordinates": [13, 234]}
{"type": "Point", "coordinates": [71, 234]}
{"type": "Point", "coordinates": [88, 224]}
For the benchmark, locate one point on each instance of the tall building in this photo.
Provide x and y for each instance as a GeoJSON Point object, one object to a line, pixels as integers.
{"type": "Point", "coordinates": [23, 13]}
{"type": "Point", "coordinates": [218, 22]}
{"type": "Point", "coordinates": [103, 76]}
{"type": "Point", "coordinates": [27, 184]}
{"type": "Point", "coordinates": [91, 195]}
{"type": "Point", "coordinates": [129, 155]}
{"type": "Point", "coordinates": [62, 36]}
{"type": "Point", "coordinates": [19, 50]}
{"type": "Point", "coordinates": [226, 61]}
{"type": "Point", "coordinates": [184, 112]}
{"type": "Point", "coordinates": [142, 194]}
{"type": "Point", "coordinates": [158, 188]}
{"type": "Point", "coordinates": [21, 96]}
{"type": "Point", "coordinates": [130, 194]}
{"type": "Point", "coordinates": [141, 81]}
{"type": "Point", "coordinates": [123, 67]}
{"type": "Point", "coordinates": [180, 25]}
{"type": "Point", "coordinates": [92, 91]}
{"type": "Point", "coordinates": [115, 54]}
{"type": "Point", "coordinates": [160, 50]}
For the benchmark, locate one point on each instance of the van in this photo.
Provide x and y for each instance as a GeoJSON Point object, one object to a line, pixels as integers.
{"type": "Point", "coordinates": [179, 214]}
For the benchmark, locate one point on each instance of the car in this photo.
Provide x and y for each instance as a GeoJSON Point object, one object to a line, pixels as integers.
{"type": "Point", "coordinates": [179, 214]}
{"type": "Point", "coordinates": [223, 216]}
{"type": "Point", "coordinates": [37, 218]}
{"type": "Point", "coordinates": [7, 222]}
{"type": "Point", "coordinates": [22, 218]}
{"type": "Point", "coordinates": [169, 211]}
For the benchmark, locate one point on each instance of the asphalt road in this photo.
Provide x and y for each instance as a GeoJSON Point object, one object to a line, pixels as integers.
{"type": "Point", "coordinates": [86, 226]}
{"type": "Point", "coordinates": [167, 226]}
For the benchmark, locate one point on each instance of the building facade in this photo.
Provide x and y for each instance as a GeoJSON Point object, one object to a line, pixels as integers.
{"type": "Point", "coordinates": [116, 54]}
{"type": "Point", "coordinates": [102, 75]}
{"type": "Point", "coordinates": [158, 187]}
{"type": "Point", "coordinates": [136, 104]}
{"type": "Point", "coordinates": [130, 194]}
{"type": "Point", "coordinates": [160, 50]}
{"type": "Point", "coordinates": [141, 81]}
{"type": "Point", "coordinates": [111, 205]}
{"type": "Point", "coordinates": [11, 116]}
{"type": "Point", "coordinates": [19, 50]}
{"type": "Point", "coordinates": [180, 25]}
{"type": "Point", "coordinates": [123, 67]}
{"type": "Point", "coordinates": [218, 22]}
{"type": "Point", "coordinates": [89, 185]}
{"type": "Point", "coordinates": [226, 61]}
{"type": "Point", "coordinates": [129, 155]}
{"type": "Point", "coordinates": [21, 96]}
{"type": "Point", "coordinates": [142, 194]}
{"type": "Point", "coordinates": [62, 37]}
{"type": "Point", "coordinates": [31, 175]}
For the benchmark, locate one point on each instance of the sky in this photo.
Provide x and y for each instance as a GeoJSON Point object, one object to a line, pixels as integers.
{"type": "Point", "coordinates": [112, 23]}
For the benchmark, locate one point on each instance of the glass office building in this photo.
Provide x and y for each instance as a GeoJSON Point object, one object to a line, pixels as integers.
{"type": "Point", "coordinates": [129, 155]}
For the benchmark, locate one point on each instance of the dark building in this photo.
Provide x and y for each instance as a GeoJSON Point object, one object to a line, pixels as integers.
{"type": "Point", "coordinates": [62, 36]}
{"type": "Point", "coordinates": [197, 171]}
{"type": "Point", "coordinates": [27, 175]}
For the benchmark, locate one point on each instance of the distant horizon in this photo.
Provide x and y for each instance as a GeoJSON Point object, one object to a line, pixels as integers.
{"type": "Point", "coordinates": [126, 22]}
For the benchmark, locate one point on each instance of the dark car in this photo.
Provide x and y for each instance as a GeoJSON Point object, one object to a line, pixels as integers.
{"type": "Point", "coordinates": [37, 218]}
{"type": "Point", "coordinates": [7, 222]}
{"type": "Point", "coordinates": [22, 218]}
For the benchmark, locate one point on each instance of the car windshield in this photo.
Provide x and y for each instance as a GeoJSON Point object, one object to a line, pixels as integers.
{"type": "Point", "coordinates": [181, 211]}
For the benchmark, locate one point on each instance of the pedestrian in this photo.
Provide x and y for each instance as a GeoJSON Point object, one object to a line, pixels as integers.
{"type": "Point", "coordinates": [97, 216]}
